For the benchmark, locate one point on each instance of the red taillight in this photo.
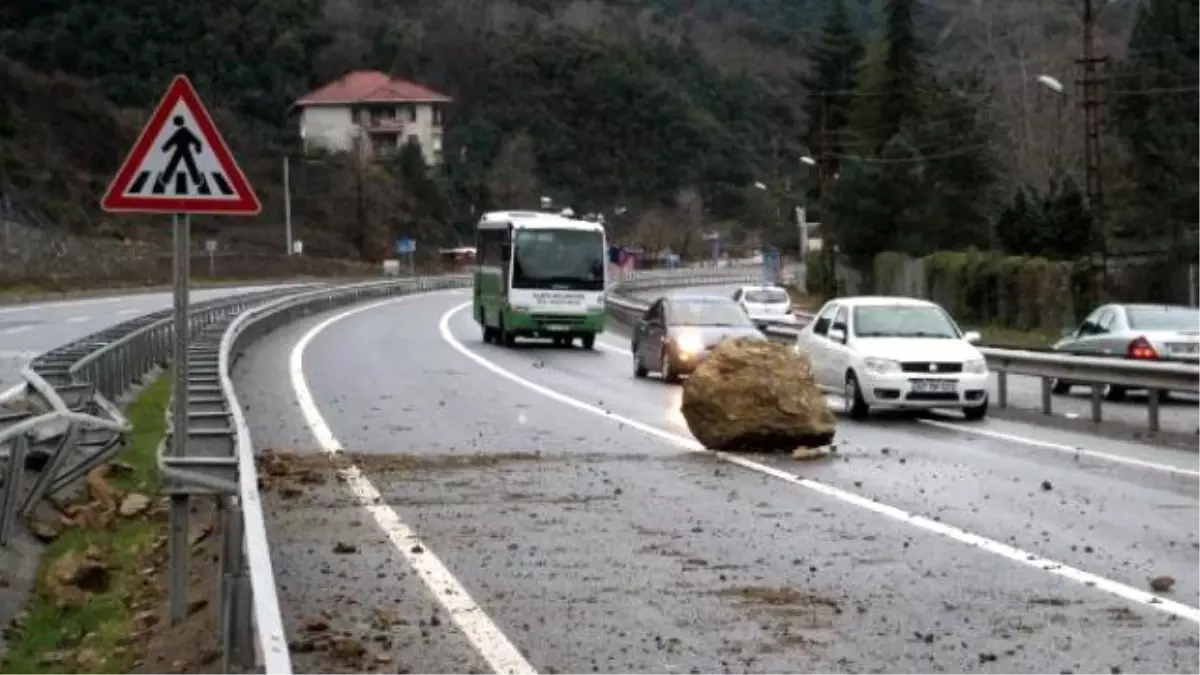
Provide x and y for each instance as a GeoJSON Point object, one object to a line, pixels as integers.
{"type": "Point", "coordinates": [1140, 348]}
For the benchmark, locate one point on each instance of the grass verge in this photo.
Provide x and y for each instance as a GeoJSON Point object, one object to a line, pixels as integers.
{"type": "Point", "coordinates": [94, 635]}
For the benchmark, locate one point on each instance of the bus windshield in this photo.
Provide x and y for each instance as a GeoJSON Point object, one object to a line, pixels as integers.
{"type": "Point", "coordinates": [567, 259]}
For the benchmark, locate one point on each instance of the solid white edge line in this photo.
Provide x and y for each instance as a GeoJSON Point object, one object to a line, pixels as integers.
{"type": "Point", "coordinates": [921, 522]}
{"type": "Point", "coordinates": [483, 634]}
{"type": "Point", "coordinates": [1060, 447]}
{"type": "Point", "coordinates": [1022, 440]}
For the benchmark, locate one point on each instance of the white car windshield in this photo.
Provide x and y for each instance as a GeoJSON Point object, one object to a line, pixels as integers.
{"type": "Point", "coordinates": [908, 321]}
{"type": "Point", "coordinates": [766, 296]}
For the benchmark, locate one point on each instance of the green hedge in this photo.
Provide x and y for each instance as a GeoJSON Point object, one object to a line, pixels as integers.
{"type": "Point", "coordinates": [979, 288]}
{"type": "Point", "coordinates": [986, 288]}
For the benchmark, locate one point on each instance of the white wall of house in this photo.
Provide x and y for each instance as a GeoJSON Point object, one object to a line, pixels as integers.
{"type": "Point", "coordinates": [333, 128]}
{"type": "Point", "coordinates": [328, 127]}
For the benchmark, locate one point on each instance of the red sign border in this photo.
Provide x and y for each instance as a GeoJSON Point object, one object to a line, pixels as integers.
{"type": "Point", "coordinates": [244, 203]}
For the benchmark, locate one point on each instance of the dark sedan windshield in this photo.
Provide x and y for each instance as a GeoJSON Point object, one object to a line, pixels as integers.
{"type": "Point", "coordinates": [1164, 318]}
{"type": "Point", "coordinates": [707, 312]}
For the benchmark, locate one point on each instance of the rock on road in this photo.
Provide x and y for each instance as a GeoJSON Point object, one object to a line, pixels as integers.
{"type": "Point", "coordinates": [26, 331]}
{"type": "Point", "coordinates": [538, 509]}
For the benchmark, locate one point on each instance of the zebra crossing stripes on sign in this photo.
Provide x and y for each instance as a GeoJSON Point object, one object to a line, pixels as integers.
{"type": "Point", "coordinates": [180, 164]}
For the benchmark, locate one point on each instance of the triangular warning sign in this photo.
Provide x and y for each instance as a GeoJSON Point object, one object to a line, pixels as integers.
{"type": "Point", "coordinates": [180, 164]}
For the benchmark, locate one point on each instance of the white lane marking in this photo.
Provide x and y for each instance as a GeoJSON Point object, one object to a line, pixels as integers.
{"type": "Point", "coordinates": [43, 306]}
{"type": "Point", "coordinates": [921, 522]}
{"type": "Point", "coordinates": [78, 319]}
{"type": "Point", "coordinates": [15, 330]}
{"type": "Point", "coordinates": [1022, 440]}
{"type": "Point", "coordinates": [495, 648]}
{"type": "Point", "coordinates": [12, 392]}
{"type": "Point", "coordinates": [1060, 447]}
{"type": "Point", "coordinates": [18, 354]}
{"type": "Point", "coordinates": [135, 310]}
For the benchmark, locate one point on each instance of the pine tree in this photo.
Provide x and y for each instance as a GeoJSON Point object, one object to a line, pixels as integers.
{"type": "Point", "coordinates": [830, 83]}
{"type": "Point", "coordinates": [1155, 111]}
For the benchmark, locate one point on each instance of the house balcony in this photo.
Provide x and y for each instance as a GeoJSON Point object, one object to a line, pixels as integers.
{"type": "Point", "coordinates": [384, 125]}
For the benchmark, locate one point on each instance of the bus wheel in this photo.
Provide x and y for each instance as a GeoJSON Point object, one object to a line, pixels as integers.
{"type": "Point", "coordinates": [589, 341]}
{"type": "Point", "coordinates": [505, 337]}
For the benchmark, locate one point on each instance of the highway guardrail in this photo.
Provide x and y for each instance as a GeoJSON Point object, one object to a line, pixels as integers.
{"type": "Point", "coordinates": [69, 422]}
{"type": "Point", "coordinates": [1096, 372]}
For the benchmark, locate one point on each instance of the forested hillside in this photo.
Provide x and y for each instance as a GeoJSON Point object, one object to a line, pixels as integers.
{"type": "Point", "coordinates": [925, 111]}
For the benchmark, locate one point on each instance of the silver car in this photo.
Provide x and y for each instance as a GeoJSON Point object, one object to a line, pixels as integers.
{"type": "Point", "coordinates": [1157, 332]}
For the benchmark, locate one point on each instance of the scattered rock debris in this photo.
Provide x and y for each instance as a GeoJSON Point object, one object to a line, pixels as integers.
{"type": "Point", "coordinates": [1162, 584]}
{"type": "Point", "coordinates": [344, 547]}
{"type": "Point", "coordinates": [1047, 486]}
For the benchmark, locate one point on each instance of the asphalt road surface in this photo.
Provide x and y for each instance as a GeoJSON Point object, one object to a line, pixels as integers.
{"type": "Point", "coordinates": [1178, 415]}
{"type": "Point", "coordinates": [539, 510]}
{"type": "Point", "coordinates": [27, 331]}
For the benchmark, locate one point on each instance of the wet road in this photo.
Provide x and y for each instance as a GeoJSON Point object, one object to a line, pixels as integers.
{"type": "Point", "coordinates": [1179, 415]}
{"type": "Point", "coordinates": [540, 509]}
{"type": "Point", "coordinates": [27, 331]}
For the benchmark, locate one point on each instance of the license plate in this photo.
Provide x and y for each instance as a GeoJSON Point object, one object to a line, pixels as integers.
{"type": "Point", "coordinates": [1184, 348]}
{"type": "Point", "coordinates": [558, 328]}
{"type": "Point", "coordinates": [934, 386]}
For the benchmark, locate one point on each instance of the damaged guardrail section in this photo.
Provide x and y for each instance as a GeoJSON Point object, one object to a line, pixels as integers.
{"type": "Point", "coordinates": [68, 423]}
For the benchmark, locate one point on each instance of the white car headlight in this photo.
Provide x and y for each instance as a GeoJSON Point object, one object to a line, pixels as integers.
{"type": "Point", "coordinates": [689, 343]}
{"type": "Point", "coordinates": [881, 366]}
{"type": "Point", "coordinates": [975, 367]}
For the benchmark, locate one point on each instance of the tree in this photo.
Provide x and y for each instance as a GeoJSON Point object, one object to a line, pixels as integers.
{"type": "Point", "coordinates": [832, 77]}
{"type": "Point", "coordinates": [512, 181]}
{"type": "Point", "coordinates": [1155, 111]}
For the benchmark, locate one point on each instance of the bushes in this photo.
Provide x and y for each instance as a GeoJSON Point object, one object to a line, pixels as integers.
{"type": "Point", "coordinates": [986, 288]}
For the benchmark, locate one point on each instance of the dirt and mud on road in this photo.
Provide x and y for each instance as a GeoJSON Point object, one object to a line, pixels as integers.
{"type": "Point", "coordinates": [626, 561]}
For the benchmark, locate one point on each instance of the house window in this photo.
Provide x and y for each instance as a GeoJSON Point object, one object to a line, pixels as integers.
{"type": "Point", "coordinates": [407, 112]}
{"type": "Point", "coordinates": [437, 114]}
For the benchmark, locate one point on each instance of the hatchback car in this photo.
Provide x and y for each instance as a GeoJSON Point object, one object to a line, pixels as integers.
{"type": "Point", "coordinates": [888, 352]}
{"type": "Point", "coordinates": [765, 304]}
{"type": "Point", "coordinates": [677, 332]}
{"type": "Point", "coordinates": [1134, 331]}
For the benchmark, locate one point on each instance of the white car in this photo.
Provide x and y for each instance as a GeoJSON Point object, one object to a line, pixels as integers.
{"type": "Point", "coordinates": [888, 352]}
{"type": "Point", "coordinates": [765, 304]}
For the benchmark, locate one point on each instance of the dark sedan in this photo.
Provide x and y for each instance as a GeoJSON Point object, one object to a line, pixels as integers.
{"type": "Point", "coordinates": [677, 332]}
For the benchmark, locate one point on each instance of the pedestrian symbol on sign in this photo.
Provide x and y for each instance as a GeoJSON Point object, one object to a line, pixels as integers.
{"type": "Point", "coordinates": [181, 145]}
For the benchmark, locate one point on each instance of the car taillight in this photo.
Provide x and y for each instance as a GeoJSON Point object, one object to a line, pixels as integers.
{"type": "Point", "coordinates": [1140, 348]}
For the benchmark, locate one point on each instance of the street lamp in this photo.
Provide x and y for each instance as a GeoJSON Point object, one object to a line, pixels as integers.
{"type": "Point", "coordinates": [1060, 98]}
{"type": "Point", "coordinates": [1051, 83]}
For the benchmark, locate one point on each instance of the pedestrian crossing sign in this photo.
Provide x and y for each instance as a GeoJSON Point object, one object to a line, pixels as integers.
{"type": "Point", "coordinates": [180, 164]}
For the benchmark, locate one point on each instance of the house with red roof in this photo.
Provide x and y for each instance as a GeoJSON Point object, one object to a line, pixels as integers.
{"type": "Point", "coordinates": [371, 113]}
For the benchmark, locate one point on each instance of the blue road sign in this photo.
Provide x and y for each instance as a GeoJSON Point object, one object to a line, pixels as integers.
{"type": "Point", "coordinates": [771, 267]}
{"type": "Point", "coordinates": [406, 245]}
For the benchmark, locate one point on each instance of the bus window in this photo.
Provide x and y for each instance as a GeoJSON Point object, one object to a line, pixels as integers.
{"type": "Point", "coordinates": [558, 258]}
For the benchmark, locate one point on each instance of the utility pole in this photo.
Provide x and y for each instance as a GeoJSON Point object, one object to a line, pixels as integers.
{"type": "Point", "coordinates": [824, 171]}
{"type": "Point", "coordinates": [1091, 129]}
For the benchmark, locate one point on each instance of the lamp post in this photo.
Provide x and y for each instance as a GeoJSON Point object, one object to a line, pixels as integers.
{"type": "Point", "coordinates": [1060, 99]}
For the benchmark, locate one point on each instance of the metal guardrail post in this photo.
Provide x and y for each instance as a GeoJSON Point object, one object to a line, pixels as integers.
{"type": "Point", "coordinates": [12, 487]}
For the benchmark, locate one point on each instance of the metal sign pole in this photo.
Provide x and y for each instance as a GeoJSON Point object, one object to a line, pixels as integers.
{"type": "Point", "coordinates": [179, 423]}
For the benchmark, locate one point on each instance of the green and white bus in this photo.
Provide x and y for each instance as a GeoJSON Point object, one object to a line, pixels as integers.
{"type": "Point", "coordinates": [539, 275]}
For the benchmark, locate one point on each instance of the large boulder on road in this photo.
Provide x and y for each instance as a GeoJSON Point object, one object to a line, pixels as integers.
{"type": "Point", "coordinates": [756, 395]}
